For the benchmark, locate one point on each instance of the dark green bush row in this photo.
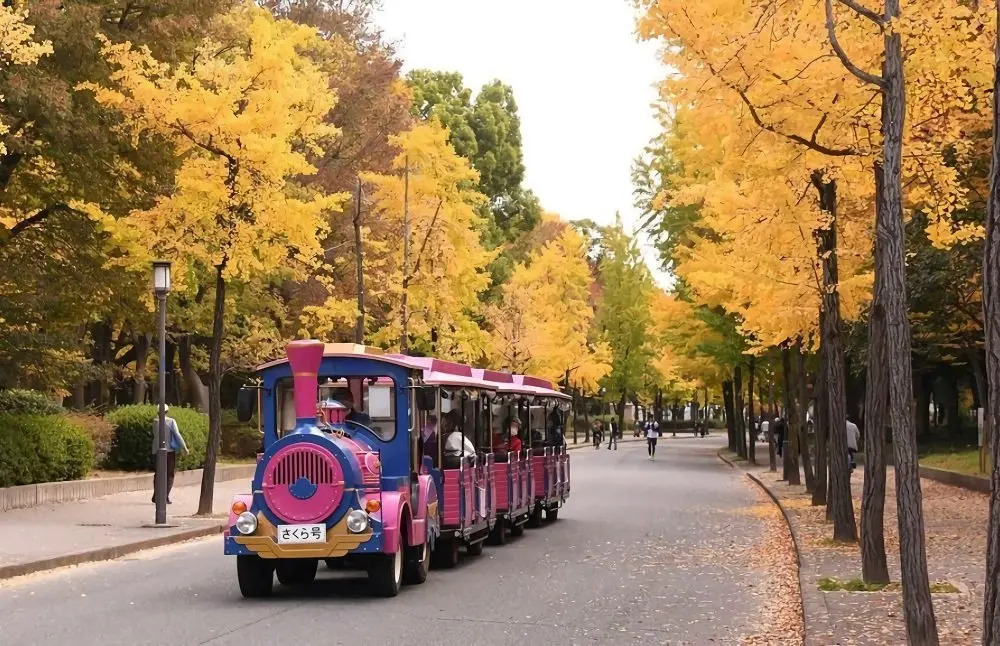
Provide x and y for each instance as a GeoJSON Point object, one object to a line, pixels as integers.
{"type": "Point", "coordinates": [131, 446]}
{"type": "Point", "coordinates": [42, 448]}
{"type": "Point", "coordinates": [239, 440]}
{"type": "Point", "coordinates": [27, 402]}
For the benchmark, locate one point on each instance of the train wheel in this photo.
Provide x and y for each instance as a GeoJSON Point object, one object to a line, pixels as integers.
{"type": "Point", "coordinates": [498, 535]}
{"type": "Point", "coordinates": [517, 530]}
{"type": "Point", "coordinates": [552, 515]}
{"type": "Point", "coordinates": [475, 549]}
{"type": "Point", "coordinates": [386, 574]}
{"type": "Point", "coordinates": [296, 571]}
{"type": "Point", "coordinates": [256, 576]}
{"type": "Point", "coordinates": [445, 553]}
{"type": "Point", "coordinates": [415, 570]}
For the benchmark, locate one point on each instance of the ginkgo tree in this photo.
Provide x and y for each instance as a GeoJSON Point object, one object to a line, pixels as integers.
{"type": "Point", "coordinates": [430, 284]}
{"type": "Point", "coordinates": [243, 117]}
{"type": "Point", "coordinates": [543, 324]}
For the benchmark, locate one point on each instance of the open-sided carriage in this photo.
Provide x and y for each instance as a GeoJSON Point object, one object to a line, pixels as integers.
{"type": "Point", "coordinates": [380, 462]}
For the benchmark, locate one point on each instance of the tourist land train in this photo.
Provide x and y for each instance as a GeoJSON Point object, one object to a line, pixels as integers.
{"type": "Point", "coordinates": [380, 487]}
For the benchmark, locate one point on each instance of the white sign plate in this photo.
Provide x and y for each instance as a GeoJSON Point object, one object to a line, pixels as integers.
{"type": "Point", "coordinates": [290, 534]}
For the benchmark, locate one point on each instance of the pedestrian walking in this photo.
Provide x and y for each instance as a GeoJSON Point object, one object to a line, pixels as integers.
{"type": "Point", "coordinates": [175, 442]}
{"type": "Point", "coordinates": [652, 434]}
{"type": "Point", "coordinates": [613, 435]}
{"type": "Point", "coordinates": [853, 434]}
{"type": "Point", "coordinates": [598, 435]}
{"type": "Point", "coordinates": [779, 434]}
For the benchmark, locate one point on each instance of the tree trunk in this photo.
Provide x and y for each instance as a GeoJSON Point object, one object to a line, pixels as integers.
{"type": "Point", "coordinates": [771, 406]}
{"type": "Point", "coordinates": [727, 401]}
{"type": "Point", "coordinates": [404, 337]}
{"type": "Point", "coordinates": [841, 504]}
{"type": "Point", "coordinates": [141, 342]}
{"type": "Point", "coordinates": [790, 450]}
{"type": "Point", "coordinates": [741, 431]}
{"type": "Point", "coordinates": [874, 567]}
{"type": "Point", "coordinates": [991, 418]}
{"type": "Point", "coordinates": [359, 324]}
{"type": "Point", "coordinates": [803, 408]}
{"type": "Point", "coordinates": [822, 402]}
{"type": "Point", "coordinates": [197, 392]}
{"type": "Point", "coordinates": [918, 609]}
{"type": "Point", "coordinates": [752, 446]}
{"type": "Point", "coordinates": [206, 500]}
{"type": "Point", "coordinates": [621, 412]}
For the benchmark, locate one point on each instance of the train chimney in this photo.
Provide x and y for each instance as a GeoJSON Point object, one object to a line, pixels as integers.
{"type": "Point", "coordinates": [305, 358]}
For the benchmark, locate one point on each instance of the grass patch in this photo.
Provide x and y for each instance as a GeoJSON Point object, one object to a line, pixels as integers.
{"type": "Point", "coordinates": [831, 584]}
{"type": "Point", "coordinates": [960, 459]}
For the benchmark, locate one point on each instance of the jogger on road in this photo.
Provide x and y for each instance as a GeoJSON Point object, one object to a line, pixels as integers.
{"type": "Point", "coordinates": [652, 434]}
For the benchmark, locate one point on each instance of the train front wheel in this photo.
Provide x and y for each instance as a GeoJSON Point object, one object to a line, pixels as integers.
{"type": "Point", "coordinates": [416, 568]}
{"type": "Point", "coordinates": [255, 575]}
{"type": "Point", "coordinates": [386, 574]}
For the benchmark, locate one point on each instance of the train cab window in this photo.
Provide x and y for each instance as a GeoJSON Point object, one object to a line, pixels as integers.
{"type": "Point", "coordinates": [374, 409]}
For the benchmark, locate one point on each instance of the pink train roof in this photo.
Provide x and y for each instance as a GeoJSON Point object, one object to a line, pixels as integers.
{"type": "Point", "coordinates": [439, 372]}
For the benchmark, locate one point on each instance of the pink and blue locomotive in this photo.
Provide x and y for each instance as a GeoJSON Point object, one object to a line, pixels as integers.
{"type": "Point", "coordinates": [381, 462]}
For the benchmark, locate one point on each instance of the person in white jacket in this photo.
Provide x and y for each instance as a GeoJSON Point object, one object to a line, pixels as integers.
{"type": "Point", "coordinates": [652, 433]}
{"type": "Point", "coordinates": [853, 435]}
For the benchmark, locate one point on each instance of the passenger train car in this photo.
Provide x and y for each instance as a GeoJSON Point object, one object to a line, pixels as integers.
{"type": "Point", "coordinates": [386, 462]}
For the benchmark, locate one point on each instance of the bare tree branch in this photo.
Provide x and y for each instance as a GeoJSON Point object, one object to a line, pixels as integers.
{"type": "Point", "coordinates": [862, 10]}
{"type": "Point", "coordinates": [831, 30]}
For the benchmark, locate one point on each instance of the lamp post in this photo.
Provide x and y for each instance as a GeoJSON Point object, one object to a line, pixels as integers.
{"type": "Point", "coordinates": [161, 287]}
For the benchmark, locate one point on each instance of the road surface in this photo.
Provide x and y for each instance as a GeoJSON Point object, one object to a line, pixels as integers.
{"type": "Point", "coordinates": [644, 553]}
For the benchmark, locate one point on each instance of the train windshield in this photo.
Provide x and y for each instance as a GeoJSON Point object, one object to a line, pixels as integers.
{"type": "Point", "coordinates": [370, 402]}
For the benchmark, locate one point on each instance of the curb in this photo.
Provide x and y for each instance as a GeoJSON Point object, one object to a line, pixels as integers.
{"type": "Point", "coordinates": [47, 493]}
{"type": "Point", "coordinates": [807, 594]}
{"type": "Point", "coordinates": [796, 542]}
{"type": "Point", "coordinates": [107, 553]}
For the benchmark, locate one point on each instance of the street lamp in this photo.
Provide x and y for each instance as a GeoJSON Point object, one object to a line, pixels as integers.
{"type": "Point", "coordinates": [161, 287]}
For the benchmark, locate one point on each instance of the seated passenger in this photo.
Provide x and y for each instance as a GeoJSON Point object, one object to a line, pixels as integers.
{"type": "Point", "coordinates": [429, 434]}
{"type": "Point", "coordinates": [346, 397]}
{"type": "Point", "coordinates": [515, 440]}
{"type": "Point", "coordinates": [457, 447]}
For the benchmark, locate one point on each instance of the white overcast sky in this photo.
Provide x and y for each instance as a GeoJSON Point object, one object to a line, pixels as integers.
{"type": "Point", "coordinates": [582, 82]}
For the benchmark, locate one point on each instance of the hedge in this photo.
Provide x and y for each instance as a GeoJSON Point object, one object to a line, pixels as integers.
{"type": "Point", "coordinates": [239, 439]}
{"type": "Point", "coordinates": [27, 402]}
{"type": "Point", "coordinates": [133, 437]}
{"type": "Point", "coordinates": [42, 448]}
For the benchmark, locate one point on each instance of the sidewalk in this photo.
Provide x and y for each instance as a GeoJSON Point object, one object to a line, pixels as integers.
{"type": "Point", "coordinates": [955, 529]}
{"type": "Point", "coordinates": [51, 536]}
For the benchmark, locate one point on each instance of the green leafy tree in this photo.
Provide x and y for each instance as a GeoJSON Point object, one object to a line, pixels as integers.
{"type": "Point", "coordinates": [487, 131]}
{"type": "Point", "coordinates": [624, 315]}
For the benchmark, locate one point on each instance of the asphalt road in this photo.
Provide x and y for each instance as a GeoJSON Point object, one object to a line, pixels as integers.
{"type": "Point", "coordinates": [644, 553]}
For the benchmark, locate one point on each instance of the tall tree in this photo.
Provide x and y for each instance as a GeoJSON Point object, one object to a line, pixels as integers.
{"type": "Point", "coordinates": [624, 315]}
{"type": "Point", "coordinates": [240, 117]}
{"type": "Point", "coordinates": [918, 608]}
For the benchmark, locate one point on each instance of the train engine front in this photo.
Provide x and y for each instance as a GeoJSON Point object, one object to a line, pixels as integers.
{"type": "Point", "coordinates": [316, 493]}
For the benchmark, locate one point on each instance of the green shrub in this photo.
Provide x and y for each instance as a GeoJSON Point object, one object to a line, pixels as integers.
{"type": "Point", "coordinates": [239, 439]}
{"type": "Point", "coordinates": [99, 430]}
{"type": "Point", "coordinates": [27, 402]}
{"type": "Point", "coordinates": [133, 437]}
{"type": "Point", "coordinates": [42, 448]}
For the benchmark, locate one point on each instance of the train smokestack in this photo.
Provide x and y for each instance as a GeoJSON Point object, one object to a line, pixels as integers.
{"type": "Point", "coordinates": [305, 358]}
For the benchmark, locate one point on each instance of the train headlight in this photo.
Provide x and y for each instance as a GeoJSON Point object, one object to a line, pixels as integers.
{"type": "Point", "coordinates": [357, 521]}
{"type": "Point", "coordinates": [246, 523]}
